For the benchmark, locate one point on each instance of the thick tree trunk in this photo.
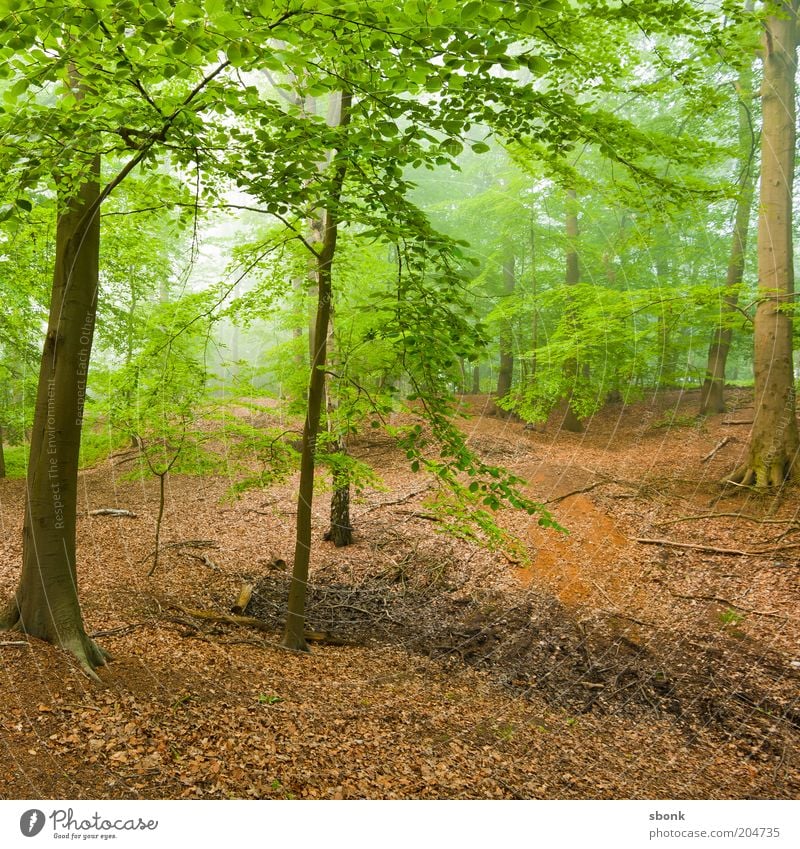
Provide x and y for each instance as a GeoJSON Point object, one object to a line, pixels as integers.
{"type": "Point", "coordinates": [774, 437]}
{"type": "Point", "coordinates": [46, 602]}
{"type": "Point", "coordinates": [505, 374]}
{"type": "Point", "coordinates": [294, 634]}
{"type": "Point", "coordinates": [570, 421]}
{"type": "Point", "coordinates": [712, 395]}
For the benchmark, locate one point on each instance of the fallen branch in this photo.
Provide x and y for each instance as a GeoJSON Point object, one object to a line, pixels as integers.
{"type": "Point", "coordinates": [743, 422]}
{"type": "Point", "coordinates": [615, 614]}
{"type": "Point", "coordinates": [252, 622]}
{"type": "Point", "coordinates": [732, 552]}
{"type": "Point", "coordinates": [415, 514]}
{"type": "Point", "coordinates": [720, 445]}
{"type": "Point", "coordinates": [402, 500]}
{"type": "Point", "coordinates": [113, 511]}
{"type": "Point", "coordinates": [114, 632]}
{"type": "Point", "coordinates": [573, 492]}
{"type": "Point", "coordinates": [729, 516]}
{"type": "Point", "coordinates": [243, 599]}
{"type": "Point", "coordinates": [204, 559]}
{"type": "Point", "coordinates": [14, 643]}
{"type": "Point", "coordinates": [727, 603]}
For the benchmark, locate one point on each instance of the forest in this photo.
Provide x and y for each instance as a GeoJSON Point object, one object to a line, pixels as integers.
{"type": "Point", "coordinates": [397, 399]}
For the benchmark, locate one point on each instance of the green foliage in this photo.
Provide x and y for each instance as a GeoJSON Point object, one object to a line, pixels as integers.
{"type": "Point", "coordinates": [16, 458]}
{"type": "Point", "coordinates": [195, 105]}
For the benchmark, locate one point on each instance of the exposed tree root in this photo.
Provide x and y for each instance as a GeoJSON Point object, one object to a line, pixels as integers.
{"type": "Point", "coordinates": [90, 656]}
{"type": "Point", "coordinates": [763, 477]}
{"type": "Point", "coordinates": [75, 641]}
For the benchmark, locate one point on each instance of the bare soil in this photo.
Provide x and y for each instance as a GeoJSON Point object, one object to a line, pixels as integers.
{"type": "Point", "coordinates": [605, 667]}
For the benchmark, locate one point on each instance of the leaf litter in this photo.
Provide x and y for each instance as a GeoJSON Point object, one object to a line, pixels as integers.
{"type": "Point", "coordinates": [605, 669]}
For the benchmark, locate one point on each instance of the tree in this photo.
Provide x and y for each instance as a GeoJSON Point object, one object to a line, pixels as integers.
{"type": "Point", "coordinates": [712, 394]}
{"type": "Point", "coordinates": [294, 635]}
{"type": "Point", "coordinates": [774, 438]}
{"type": "Point", "coordinates": [570, 421]}
{"type": "Point", "coordinates": [46, 602]}
{"type": "Point", "coordinates": [505, 374]}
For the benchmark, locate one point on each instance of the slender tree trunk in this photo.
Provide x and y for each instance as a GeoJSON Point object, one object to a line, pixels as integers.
{"type": "Point", "coordinates": [2, 456]}
{"type": "Point", "coordinates": [294, 635]}
{"type": "Point", "coordinates": [667, 365]}
{"type": "Point", "coordinates": [774, 437]}
{"type": "Point", "coordinates": [505, 374]}
{"type": "Point", "coordinates": [534, 300]}
{"type": "Point", "coordinates": [476, 380]}
{"type": "Point", "coordinates": [570, 421]}
{"type": "Point", "coordinates": [712, 398]}
{"type": "Point", "coordinates": [341, 528]}
{"type": "Point", "coordinates": [161, 499]}
{"type": "Point", "coordinates": [46, 602]}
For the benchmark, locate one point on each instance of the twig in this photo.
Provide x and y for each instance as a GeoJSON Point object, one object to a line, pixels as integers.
{"type": "Point", "coordinates": [407, 497]}
{"type": "Point", "coordinates": [14, 643]}
{"type": "Point", "coordinates": [727, 603]}
{"type": "Point", "coordinates": [743, 422]}
{"type": "Point", "coordinates": [617, 615]}
{"type": "Point", "coordinates": [189, 543]}
{"type": "Point", "coordinates": [204, 559]}
{"type": "Point", "coordinates": [573, 492]}
{"type": "Point", "coordinates": [721, 444]}
{"type": "Point", "coordinates": [124, 629]}
{"type": "Point", "coordinates": [414, 514]}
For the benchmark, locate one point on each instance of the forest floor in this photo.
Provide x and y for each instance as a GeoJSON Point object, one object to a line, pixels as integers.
{"type": "Point", "coordinates": [607, 667]}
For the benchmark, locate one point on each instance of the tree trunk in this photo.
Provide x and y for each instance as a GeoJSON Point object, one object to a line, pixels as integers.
{"type": "Point", "coordinates": [476, 380]}
{"type": "Point", "coordinates": [712, 398]}
{"type": "Point", "coordinates": [774, 437]}
{"type": "Point", "coordinates": [570, 421]}
{"type": "Point", "coordinates": [2, 456]}
{"type": "Point", "coordinates": [294, 634]}
{"type": "Point", "coordinates": [46, 602]}
{"type": "Point", "coordinates": [505, 374]}
{"type": "Point", "coordinates": [341, 530]}
{"type": "Point", "coordinates": [667, 365]}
